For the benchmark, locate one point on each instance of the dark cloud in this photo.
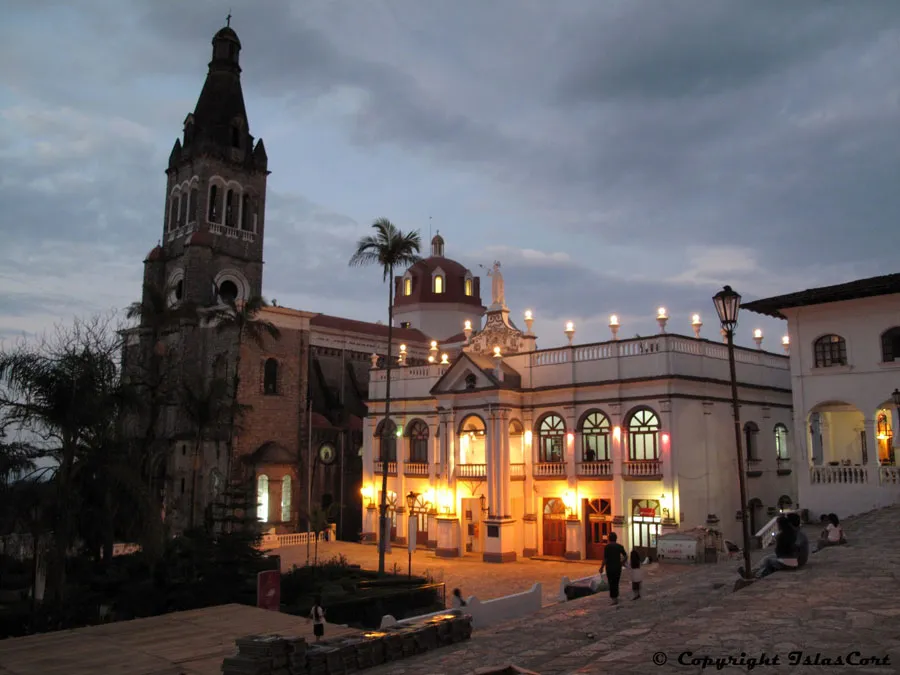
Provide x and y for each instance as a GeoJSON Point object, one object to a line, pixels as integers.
{"type": "Point", "coordinates": [765, 133]}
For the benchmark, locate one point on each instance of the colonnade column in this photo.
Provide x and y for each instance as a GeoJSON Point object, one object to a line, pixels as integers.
{"type": "Point", "coordinates": [499, 542]}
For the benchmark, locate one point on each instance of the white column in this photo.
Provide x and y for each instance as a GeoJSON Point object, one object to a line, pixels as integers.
{"type": "Point", "coordinates": [503, 473]}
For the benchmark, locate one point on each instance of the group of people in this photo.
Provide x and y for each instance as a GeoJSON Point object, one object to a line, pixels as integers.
{"type": "Point", "coordinates": [792, 546]}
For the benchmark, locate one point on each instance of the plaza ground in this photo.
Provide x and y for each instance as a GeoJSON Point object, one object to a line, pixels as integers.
{"type": "Point", "coordinates": [468, 573]}
{"type": "Point", "coordinates": [844, 601]}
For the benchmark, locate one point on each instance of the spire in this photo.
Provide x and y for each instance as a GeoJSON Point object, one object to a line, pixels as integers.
{"type": "Point", "coordinates": [437, 245]}
{"type": "Point", "coordinates": [219, 125]}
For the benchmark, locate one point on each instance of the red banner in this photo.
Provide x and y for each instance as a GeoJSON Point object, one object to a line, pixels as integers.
{"type": "Point", "coordinates": [268, 590]}
{"type": "Point", "coordinates": [648, 513]}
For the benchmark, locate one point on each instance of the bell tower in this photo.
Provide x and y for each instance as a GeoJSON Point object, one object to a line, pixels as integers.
{"type": "Point", "coordinates": [214, 220]}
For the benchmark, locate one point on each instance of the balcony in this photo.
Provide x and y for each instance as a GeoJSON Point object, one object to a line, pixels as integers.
{"type": "Point", "coordinates": [517, 472]}
{"type": "Point", "coordinates": [550, 470]}
{"type": "Point", "coordinates": [391, 468]}
{"type": "Point", "coordinates": [838, 474]}
{"type": "Point", "coordinates": [644, 469]}
{"type": "Point", "coordinates": [471, 470]}
{"type": "Point", "coordinates": [232, 232]}
{"type": "Point", "coordinates": [602, 469]}
{"type": "Point", "coordinates": [415, 469]}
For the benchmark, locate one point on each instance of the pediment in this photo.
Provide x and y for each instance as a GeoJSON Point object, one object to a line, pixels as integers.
{"type": "Point", "coordinates": [460, 377]}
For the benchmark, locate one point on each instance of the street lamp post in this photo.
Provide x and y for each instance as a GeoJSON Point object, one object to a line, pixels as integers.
{"type": "Point", "coordinates": [728, 304]}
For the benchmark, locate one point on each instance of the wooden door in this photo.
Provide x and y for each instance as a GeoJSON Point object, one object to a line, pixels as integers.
{"type": "Point", "coordinates": [645, 523]}
{"type": "Point", "coordinates": [597, 526]}
{"type": "Point", "coordinates": [554, 527]}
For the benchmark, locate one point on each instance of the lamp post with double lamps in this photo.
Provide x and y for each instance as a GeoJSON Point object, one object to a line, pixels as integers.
{"type": "Point", "coordinates": [728, 304]}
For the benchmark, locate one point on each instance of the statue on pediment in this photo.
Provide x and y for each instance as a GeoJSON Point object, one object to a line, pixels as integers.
{"type": "Point", "coordinates": [498, 296]}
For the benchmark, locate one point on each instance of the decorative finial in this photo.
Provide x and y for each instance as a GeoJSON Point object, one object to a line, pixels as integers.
{"type": "Point", "coordinates": [228, 19]}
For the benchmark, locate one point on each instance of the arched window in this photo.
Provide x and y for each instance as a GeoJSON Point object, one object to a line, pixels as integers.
{"type": "Point", "coordinates": [643, 436]}
{"type": "Point", "coordinates": [386, 433]}
{"type": "Point", "coordinates": [595, 438]}
{"type": "Point", "coordinates": [551, 438]}
{"type": "Point", "coordinates": [230, 208]}
{"type": "Point", "coordinates": [890, 345]}
{"type": "Point", "coordinates": [785, 502]}
{"type": "Point", "coordinates": [174, 205]}
{"type": "Point", "coordinates": [418, 442]}
{"type": "Point", "coordinates": [751, 445]}
{"type": "Point", "coordinates": [781, 442]}
{"type": "Point", "coordinates": [228, 291]}
{"type": "Point", "coordinates": [192, 206]}
{"type": "Point", "coordinates": [262, 498]}
{"type": "Point", "coordinates": [285, 499]}
{"type": "Point", "coordinates": [183, 211]}
{"type": "Point", "coordinates": [830, 350]}
{"type": "Point", "coordinates": [212, 214]}
{"type": "Point", "coordinates": [438, 283]}
{"type": "Point", "coordinates": [471, 440]}
{"type": "Point", "coordinates": [407, 286]}
{"type": "Point", "coordinates": [471, 381]}
{"type": "Point", "coordinates": [270, 377]}
{"type": "Point", "coordinates": [246, 208]}
{"type": "Point", "coordinates": [470, 287]}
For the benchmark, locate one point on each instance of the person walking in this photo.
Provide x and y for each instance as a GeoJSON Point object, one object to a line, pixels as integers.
{"type": "Point", "coordinates": [637, 575]}
{"type": "Point", "coordinates": [614, 557]}
{"type": "Point", "coordinates": [457, 602]}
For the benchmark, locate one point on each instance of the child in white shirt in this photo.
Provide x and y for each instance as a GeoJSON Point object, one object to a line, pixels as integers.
{"type": "Point", "coordinates": [637, 574]}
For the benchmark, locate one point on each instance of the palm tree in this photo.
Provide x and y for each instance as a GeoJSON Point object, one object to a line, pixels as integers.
{"type": "Point", "coordinates": [388, 248]}
{"type": "Point", "coordinates": [243, 319]}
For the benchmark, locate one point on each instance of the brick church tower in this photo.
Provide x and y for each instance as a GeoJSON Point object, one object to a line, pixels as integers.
{"type": "Point", "coordinates": [214, 220]}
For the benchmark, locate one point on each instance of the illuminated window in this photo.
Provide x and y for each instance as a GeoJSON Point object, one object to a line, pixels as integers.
{"type": "Point", "coordinates": [643, 436]}
{"type": "Point", "coordinates": [286, 499]}
{"type": "Point", "coordinates": [830, 350]}
{"type": "Point", "coordinates": [438, 284]}
{"type": "Point", "coordinates": [407, 286]}
{"type": "Point", "coordinates": [551, 437]}
{"type": "Point", "coordinates": [471, 440]}
{"type": "Point", "coordinates": [595, 438]}
{"type": "Point", "coordinates": [262, 499]}
{"type": "Point", "coordinates": [781, 441]}
{"type": "Point", "coordinates": [469, 287]}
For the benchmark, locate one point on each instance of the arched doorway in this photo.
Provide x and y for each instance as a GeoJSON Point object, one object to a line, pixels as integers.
{"type": "Point", "coordinates": [554, 526]}
{"type": "Point", "coordinates": [785, 503]}
{"type": "Point", "coordinates": [392, 503]}
{"type": "Point", "coordinates": [884, 435]}
{"type": "Point", "coordinates": [757, 515]}
{"type": "Point", "coordinates": [646, 517]}
{"type": "Point", "coordinates": [597, 526]}
{"type": "Point", "coordinates": [420, 510]}
{"type": "Point", "coordinates": [837, 435]}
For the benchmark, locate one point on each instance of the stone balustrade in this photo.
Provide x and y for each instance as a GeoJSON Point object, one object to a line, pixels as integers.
{"type": "Point", "coordinates": [601, 469]}
{"type": "Point", "coordinates": [415, 469]}
{"type": "Point", "coordinates": [550, 470]}
{"type": "Point", "coordinates": [391, 468]}
{"type": "Point", "coordinates": [650, 469]}
{"type": "Point", "coordinates": [471, 470]}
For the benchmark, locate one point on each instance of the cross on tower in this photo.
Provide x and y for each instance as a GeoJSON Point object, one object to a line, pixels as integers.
{"type": "Point", "coordinates": [228, 19]}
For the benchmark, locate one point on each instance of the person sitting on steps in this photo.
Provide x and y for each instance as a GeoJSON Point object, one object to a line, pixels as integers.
{"type": "Point", "coordinates": [833, 534]}
{"type": "Point", "coordinates": [785, 557]}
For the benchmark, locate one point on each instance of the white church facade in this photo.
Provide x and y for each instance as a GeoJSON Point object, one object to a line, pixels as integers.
{"type": "Point", "coordinates": [845, 366]}
{"type": "Point", "coordinates": [505, 450]}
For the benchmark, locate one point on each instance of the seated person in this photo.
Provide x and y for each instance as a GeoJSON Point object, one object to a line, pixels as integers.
{"type": "Point", "coordinates": [786, 554]}
{"type": "Point", "coordinates": [833, 534]}
{"type": "Point", "coordinates": [802, 540]}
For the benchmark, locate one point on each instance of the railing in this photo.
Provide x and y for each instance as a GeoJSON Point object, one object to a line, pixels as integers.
{"type": "Point", "coordinates": [409, 373]}
{"type": "Point", "coordinates": [471, 470]}
{"type": "Point", "coordinates": [644, 468]}
{"type": "Point", "coordinates": [819, 475]}
{"type": "Point", "coordinates": [889, 475]}
{"type": "Point", "coordinates": [415, 468]}
{"type": "Point", "coordinates": [293, 539]}
{"type": "Point", "coordinates": [783, 464]}
{"type": "Point", "coordinates": [655, 345]}
{"type": "Point", "coordinates": [594, 469]}
{"type": "Point", "coordinates": [391, 468]}
{"type": "Point", "coordinates": [233, 232]}
{"type": "Point", "coordinates": [547, 469]}
{"type": "Point", "coordinates": [184, 230]}
{"type": "Point", "coordinates": [517, 471]}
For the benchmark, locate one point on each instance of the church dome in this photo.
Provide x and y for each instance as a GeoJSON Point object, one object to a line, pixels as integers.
{"type": "Point", "coordinates": [156, 253]}
{"type": "Point", "coordinates": [226, 33]}
{"type": "Point", "coordinates": [437, 279]}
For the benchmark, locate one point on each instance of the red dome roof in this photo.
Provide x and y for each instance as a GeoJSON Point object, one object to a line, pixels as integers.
{"type": "Point", "coordinates": [422, 284]}
{"type": "Point", "coordinates": [156, 253]}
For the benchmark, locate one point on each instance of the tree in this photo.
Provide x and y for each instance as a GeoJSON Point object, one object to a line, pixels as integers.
{"type": "Point", "coordinates": [159, 315]}
{"type": "Point", "coordinates": [387, 248]}
{"type": "Point", "coordinates": [243, 319]}
{"type": "Point", "coordinates": [64, 393]}
{"type": "Point", "coordinates": [204, 405]}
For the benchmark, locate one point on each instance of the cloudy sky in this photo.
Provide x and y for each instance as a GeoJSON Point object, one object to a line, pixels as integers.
{"type": "Point", "coordinates": [614, 155]}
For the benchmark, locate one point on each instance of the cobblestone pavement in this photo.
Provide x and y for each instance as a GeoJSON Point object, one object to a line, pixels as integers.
{"type": "Point", "coordinates": [844, 601]}
{"type": "Point", "coordinates": [469, 573]}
